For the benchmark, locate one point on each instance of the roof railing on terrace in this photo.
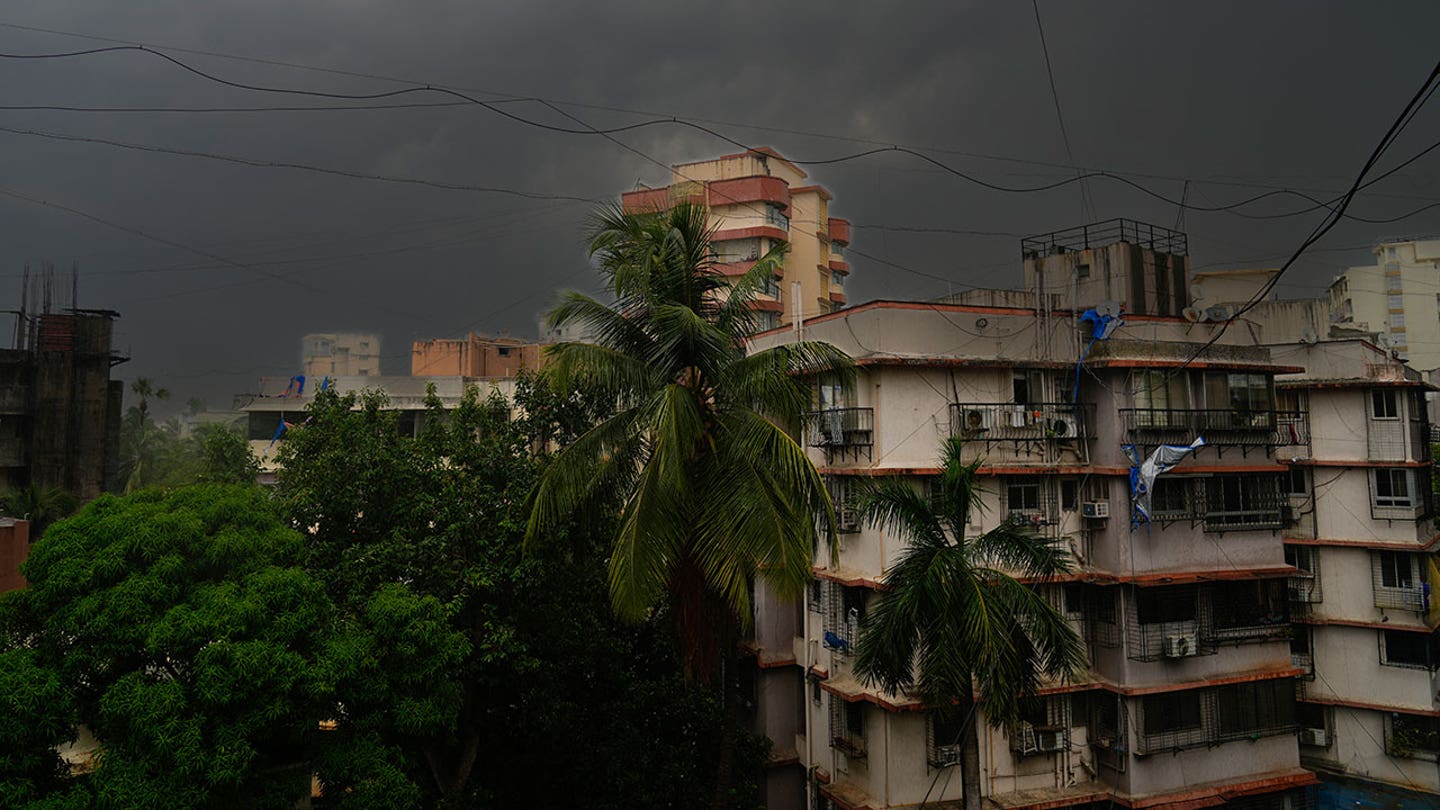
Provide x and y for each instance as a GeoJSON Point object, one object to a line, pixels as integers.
{"type": "Point", "coordinates": [1109, 232]}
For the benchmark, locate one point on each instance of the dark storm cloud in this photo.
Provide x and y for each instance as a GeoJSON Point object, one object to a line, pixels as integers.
{"type": "Point", "coordinates": [1281, 94]}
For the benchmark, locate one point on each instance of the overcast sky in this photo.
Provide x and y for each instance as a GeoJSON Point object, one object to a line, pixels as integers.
{"type": "Point", "coordinates": [1236, 97]}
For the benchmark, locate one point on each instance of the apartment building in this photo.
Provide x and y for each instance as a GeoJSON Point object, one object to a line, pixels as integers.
{"type": "Point", "coordinates": [1364, 535]}
{"type": "Point", "coordinates": [1397, 297]}
{"type": "Point", "coordinates": [277, 409]}
{"type": "Point", "coordinates": [756, 200]}
{"type": "Point", "coordinates": [340, 354]}
{"type": "Point", "coordinates": [474, 356]}
{"type": "Point", "coordinates": [1190, 696]}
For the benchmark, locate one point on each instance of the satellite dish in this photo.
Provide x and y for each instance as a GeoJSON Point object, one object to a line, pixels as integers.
{"type": "Point", "coordinates": [1111, 308]}
{"type": "Point", "coordinates": [1192, 314]}
{"type": "Point", "coordinates": [1197, 292]}
{"type": "Point", "coordinates": [1217, 313]}
{"type": "Point", "coordinates": [1308, 335]}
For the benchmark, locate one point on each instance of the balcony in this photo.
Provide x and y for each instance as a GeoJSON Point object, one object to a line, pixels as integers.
{"type": "Point", "coordinates": [841, 430]}
{"type": "Point", "coordinates": [1221, 427]}
{"type": "Point", "coordinates": [1222, 503]}
{"type": "Point", "coordinates": [1397, 439]}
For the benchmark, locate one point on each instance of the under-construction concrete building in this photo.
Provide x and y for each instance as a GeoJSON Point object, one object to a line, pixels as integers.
{"type": "Point", "coordinates": [59, 409]}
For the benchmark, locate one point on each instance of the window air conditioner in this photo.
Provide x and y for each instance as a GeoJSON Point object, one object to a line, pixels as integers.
{"type": "Point", "coordinates": [1180, 646]}
{"type": "Point", "coordinates": [975, 420]}
{"type": "Point", "coordinates": [1052, 739]}
{"type": "Point", "coordinates": [945, 756]}
{"type": "Point", "coordinates": [1095, 510]}
{"type": "Point", "coordinates": [1314, 736]}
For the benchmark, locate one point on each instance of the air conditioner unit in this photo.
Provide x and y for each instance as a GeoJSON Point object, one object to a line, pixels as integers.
{"type": "Point", "coordinates": [1052, 739]}
{"type": "Point", "coordinates": [945, 756]}
{"type": "Point", "coordinates": [1181, 645]}
{"type": "Point", "coordinates": [1095, 510]}
{"type": "Point", "coordinates": [1314, 736]}
{"type": "Point", "coordinates": [975, 420]}
{"type": "Point", "coordinates": [1063, 428]}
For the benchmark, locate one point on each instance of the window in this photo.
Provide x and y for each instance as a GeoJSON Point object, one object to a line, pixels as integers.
{"type": "Point", "coordinates": [1392, 489]}
{"type": "Point", "coordinates": [1402, 648]}
{"type": "Point", "coordinates": [1392, 281]}
{"type": "Point", "coordinates": [1242, 501]}
{"type": "Point", "coordinates": [817, 595]}
{"type": "Point", "coordinates": [1171, 713]}
{"type": "Point", "coordinates": [1074, 599]}
{"type": "Point", "coordinates": [1394, 301]}
{"type": "Point", "coordinates": [1023, 496]}
{"type": "Point", "coordinates": [736, 250]}
{"type": "Point", "coordinates": [1165, 605]}
{"type": "Point", "coordinates": [1170, 497]}
{"type": "Point", "coordinates": [1413, 736]}
{"type": "Point", "coordinates": [765, 321]}
{"type": "Point", "coordinates": [1302, 557]}
{"type": "Point", "coordinates": [1069, 494]}
{"type": "Point", "coordinates": [1390, 253]}
{"type": "Point", "coordinates": [1028, 386]}
{"type": "Point", "coordinates": [842, 495]}
{"type": "Point", "coordinates": [1248, 709]}
{"type": "Point", "coordinates": [771, 287]}
{"type": "Point", "coordinates": [945, 730]}
{"type": "Point", "coordinates": [1397, 320]}
{"type": "Point", "coordinates": [1162, 391]}
{"type": "Point", "coordinates": [775, 215]}
{"type": "Point", "coordinates": [504, 351]}
{"type": "Point", "coordinates": [1238, 392]}
{"type": "Point", "coordinates": [1296, 482]}
{"type": "Point", "coordinates": [1082, 271]}
{"type": "Point", "coordinates": [1384, 404]}
{"type": "Point", "coordinates": [1397, 569]}
{"type": "Point", "coordinates": [1250, 609]}
{"type": "Point", "coordinates": [816, 694]}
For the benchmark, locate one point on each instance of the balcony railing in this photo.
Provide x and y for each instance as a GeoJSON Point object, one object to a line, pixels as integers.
{"type": "Point", "coordinates": [840, 428]}
{"type": "Point", "coordinates": [1223, 503]}
{"type": "Point", "coordinates": [1220, 427]}
{"type": "Point", "coordinates": [1008, 422]}
{"type": "Point", "coordinates": [1412, 598]}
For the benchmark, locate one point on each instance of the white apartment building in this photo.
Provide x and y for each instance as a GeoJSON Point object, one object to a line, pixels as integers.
{"type": "Point", "coordinates": [1398, 297]}
{"type": "Point", "coordinates": [1366, 610]}
{"type": "Point", "coordinates": [1190, 697]}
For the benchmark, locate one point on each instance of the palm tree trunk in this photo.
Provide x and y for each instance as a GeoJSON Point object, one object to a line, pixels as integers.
{"type": "Point", "coordinates": [970, 749]}
{"type": "Point", "coordinates": [725, 759]}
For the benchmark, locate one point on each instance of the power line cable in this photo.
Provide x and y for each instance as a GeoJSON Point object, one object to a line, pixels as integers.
{"type": "Point", "coordinates": [674, 120]}
{"type": "Point", "coordinates": [1087, 205]}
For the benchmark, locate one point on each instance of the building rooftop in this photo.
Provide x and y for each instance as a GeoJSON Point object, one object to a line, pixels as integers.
{"type": "Point", "coordinates": [1108, 232]}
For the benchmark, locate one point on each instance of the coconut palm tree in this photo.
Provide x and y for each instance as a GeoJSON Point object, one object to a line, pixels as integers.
{"type": "Point", "coordinates": [959, 613]}
{"type": "Point", "coordinates": [143, 388]}
{"type": "Point", "coordinates": [712, 491]}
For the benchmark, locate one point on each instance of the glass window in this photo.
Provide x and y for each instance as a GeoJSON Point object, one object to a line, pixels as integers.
{"type": "Point", "coordinates": [1400, 648]}
{"type": "Point", "coordinates": [1162, 605]}
{"type": "Point", "coordinates": [736, 250]}
{"type": "Point", "coordinates": [1396, 570]}
{"type": "Point", "coordinates": [1082, 271]}
{"type": "Point", "coordinates": [1160, 390]}
{"type": "Point", "coordinates": [1023, 496]}
{"type": "Point", "coordinates": [1389, 253]}
{"type": "Point", "coordinates": [1397, 320]}
{"type": "Point", "coordinates": [1392, 488]}
{"type": "Point", "coordinates": [1384, 404]}
{"type": "Point", "coordinates": [1296, 481]}
{"type": "Point", "coordinates": [1070, 494]}
{"type": "Point", "coordinates": [1245, 708]}
{"type": "Point", "coordinates": [1302, 557]}
{"type": "Point", "coordinates": [1028, 386]}
{"type": "Point", "coordinates": [1238, 392]}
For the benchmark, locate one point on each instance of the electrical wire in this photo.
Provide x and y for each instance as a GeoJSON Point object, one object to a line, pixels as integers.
{"type": "Point", "coordinates": [1087, 204]}
{"type": "Point", "coordinates": [587, 129]}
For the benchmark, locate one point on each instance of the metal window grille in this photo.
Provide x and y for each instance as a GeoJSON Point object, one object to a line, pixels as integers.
{"type": "Point", "coordinates": [841, 430]}
{"type": "Point", "coordinates": [1395, 578]}
{"type": "Point", "coordinates": [1302, 651]}
{"type": "Point", "coordinates": [815, 600]}
{"type": "Point", "coordinates": [1026, 423]}
{"type": "Point", "coordinates": [1107, 730]}
{"type": "Point", "coordinates": [1029, 500]}
{"type": "Point", "coordinates": [847, 727]}
{"type": "Point", "coordinates": [842, 494]}
{"type": "Point", "coordinates": [1047, 732]}
{"type": "Point", "coordinates": [1305, 588]}
{"type": "Point", "coordinates": [1248, 611]}
{"type": "Point", "coordinates": [1167, 623]}
{"type": "Point", "coordinates": [1412, 736]}
{"type": "Point", "coordinates": [942, 738]}
{"type": "Point", "coordinates": [1102, 621]}
{"type": "Point", "coordinates": [1209, 716]}
{"type": "Point", "coordinates": [844, 610]}
{"type": "Point", "coordinates": [1396, 427]}
{"type": "Point", "coordinates": [1221, 503]}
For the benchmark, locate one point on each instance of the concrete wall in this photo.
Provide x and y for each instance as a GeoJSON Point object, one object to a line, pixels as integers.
{"type": "Point", "coordinates": [474, 356]}
{"type": "Point", "coordinates": [336, 354]}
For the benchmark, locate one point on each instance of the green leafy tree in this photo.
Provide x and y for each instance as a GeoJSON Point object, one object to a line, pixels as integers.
{"type": "Point", "coordinates": [203, 659]}
{"type": "Point", "coordinates": [955, 613]}
{"type": "Point", "coordinates": [712, 489]}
